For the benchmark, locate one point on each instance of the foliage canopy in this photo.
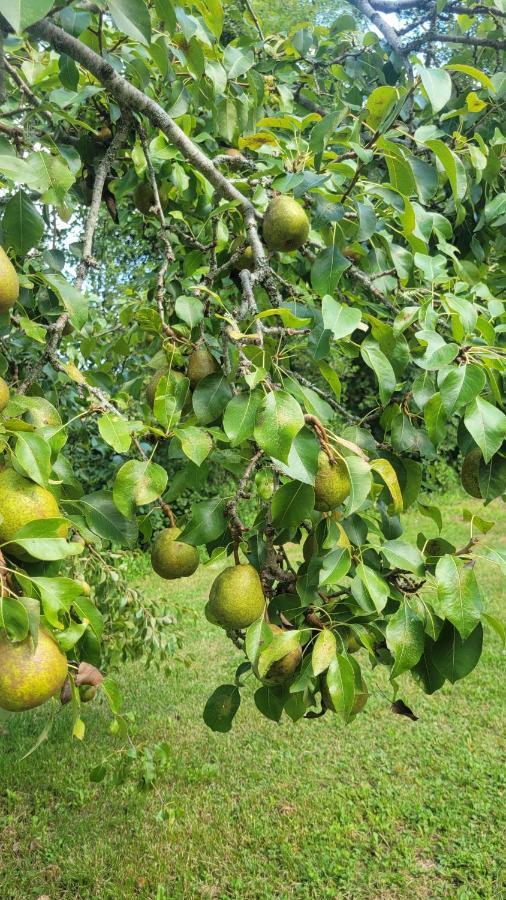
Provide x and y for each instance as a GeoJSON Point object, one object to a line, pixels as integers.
{"type": "Point", "coordinates": [139, 151]}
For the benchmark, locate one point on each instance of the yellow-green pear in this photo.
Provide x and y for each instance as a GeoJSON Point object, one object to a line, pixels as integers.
{"type": "Point", "coordinates": [283, 669]}
{"type": "Point", "coordinates": [30, 676]}
{"type": "Point", "coordinates": [286, 225]}
{"type": "Point", "coordinates": [332, 483]}
{"type": "Point", "coordinates": [22, 501]}
{"type": "Point", "coordinates": [171, 558]}
{"type": "Point", "coordinates": [4, 394]}
{"type": "Point", "coordinates": [9, 283]}
{"type": "Point", "coordinates": [200, 364]}
{"type": "Point", "coordinates": [236, 599]}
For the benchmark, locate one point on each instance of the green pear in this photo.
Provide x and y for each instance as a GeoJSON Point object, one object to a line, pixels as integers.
{"type": "Point", "coordinates": [4, 394]}
{"type": "Point", "coordinates": [30, 676]}
{"type": "Point", "coordinates": [144, 197]}
{"type": "Point", "coordinates": [286, 225]}
{"type": "Point", "coordinates": [282, 669]}
{"type": "Point", "coordinates": [22, 501]}
{"type": "Point", "coordinates": [171, 558]}
{"type": "Point", "coordinates": [332, 483]}
{"type": "Point", "coordinates": [200, 364]}
{"type": "Point", "coordinates": [236, 599]}
{"type": "Point", "coordinates": [9, 283]}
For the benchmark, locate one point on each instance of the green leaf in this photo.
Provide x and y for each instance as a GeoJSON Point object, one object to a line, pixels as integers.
{"type": "Point", "coordinates": [210, 398]}
{"type": "Point", "coordinates": [221, 708]}
{"type": "Point", "coordinates": [460, 386]}
{"type": "Point", "coordinates": [196, 443]}
{"type": "Point", "coordinates": [57, 596]}
{"type": "Point", "coordinates": [387, 472]}
{"type": "Point", "coordinates": [279, 646]}
{"type": "Point", "coordinates": [132, 18]}
{"type": "Point", "coordinates": [138, 482]}
{"type": "Point", "coordinates": [278, 420]}
{"type": "Point", "coordinates": [22, 226]}
{"type": "Point", "coordinates": [104, 519]}
{"type": "Point", "coordinates": [359, 473]}
{"type": "Point", "coordinates": [115, 432]}
{"type": "Point", "coordinates": [453, 167]}
{"type": "Point", "coordinates": [258, 635]}
{"type": "Point", "coordinates": [302, 462]}
{"type": "Point", "coordinates": [75, 303]}
{"type": "Point", "coordinates": [474, 73]}
{"type": "Point", "coordinates": [458, 595]}
{"type": "Point", "coordinates": [88, 613]}
{"type": "Point", "coordinates": [379, 103]}
{"type": "Point", "coordinates": [22, 13]}
{"type": "Point", "coordinates": [324, 651]}
{"type": "Point", "coordinates": [34, 456]}
{"type": "Point", "coordinates": [435, 419]}
{"type": "Point", "coordinates": [42, 540]}
{"type": "Point", "coordinates": [375, 585]}
{"type": "Point", "coordinates": [292, 503]}
{"type": "Point", "coordinates": [14, 618]}
{"type": "Point", "coordinates": [335, 565]}
{"type": "Point", "coordinates": [206, 524]}
{"type": "Point", "coordinates": [240, 415]}
{"type": "Point", "coordinates": [438, 86]}
{"type": "Point", "coordinates": [378, 362]}
{"type": "Point", "coordinates": [327, 269]}
{"type": "Point", "coordinates": [341, 320]}
{"type": "Point", "coordinates": [189, 310]}
{"type": "Point", "coordinates": [454, 657]}
{"type": "Point", "coordinates": [340, 680]}
{"type": "Point", "coordinates": [170, 398]}
{"type": "Point", "coordinates": [402, 555]}
{"type": "Point", "coordinates": [270, 701]}
{"type": "Point", "coordinates": [487, 426]}
{"type": "Point", "coordinates": [405, 637]}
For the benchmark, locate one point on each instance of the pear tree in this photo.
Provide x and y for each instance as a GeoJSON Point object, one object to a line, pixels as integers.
{"type": "Point", "coordinates": [202, 232]}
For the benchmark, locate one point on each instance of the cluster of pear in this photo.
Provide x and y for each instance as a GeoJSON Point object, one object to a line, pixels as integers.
{"type": "Point", "coordinates": [29, 675]}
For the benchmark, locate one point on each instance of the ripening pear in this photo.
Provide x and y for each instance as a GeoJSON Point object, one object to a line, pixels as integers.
{"type": "Point", "coordinates": [286, 225]}
{"type": "Point", "coordinates": [236, 599]}
{"type": "Point", "coordinates": [200, 364]}
{"type": "Point", "coordinates": [4, 394]}
{"type": "Point", "coordinates": [9, 283]}
{"type": "Point", "coordinates": [283, 669]}
{"type": "Point", "coordinates": [332, 483]}
{"type": "Point", "coordinates": [30, 676]}
{"type": "Point", "coordinates": [171, 558]}
{"type": "Point", "coordinates": [22, 501]}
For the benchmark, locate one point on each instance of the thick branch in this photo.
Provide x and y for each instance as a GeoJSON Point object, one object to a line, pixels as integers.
{"type": "Point", "coordinates": [389, 33]}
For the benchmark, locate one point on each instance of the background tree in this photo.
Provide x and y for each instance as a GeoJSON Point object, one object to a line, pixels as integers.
{"type": "Point", "coordinates": [207, 235]}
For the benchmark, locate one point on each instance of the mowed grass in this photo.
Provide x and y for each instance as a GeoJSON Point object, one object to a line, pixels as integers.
{"type": "Point", "coordinates": [384, 808]}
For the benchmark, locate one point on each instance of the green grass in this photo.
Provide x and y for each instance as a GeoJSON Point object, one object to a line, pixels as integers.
{"type": "Point", "coordinates": [384, 808]}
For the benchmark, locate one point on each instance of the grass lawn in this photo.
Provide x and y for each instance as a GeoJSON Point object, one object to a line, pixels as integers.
{"type": "Point", "coordinates": [383, 808]}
